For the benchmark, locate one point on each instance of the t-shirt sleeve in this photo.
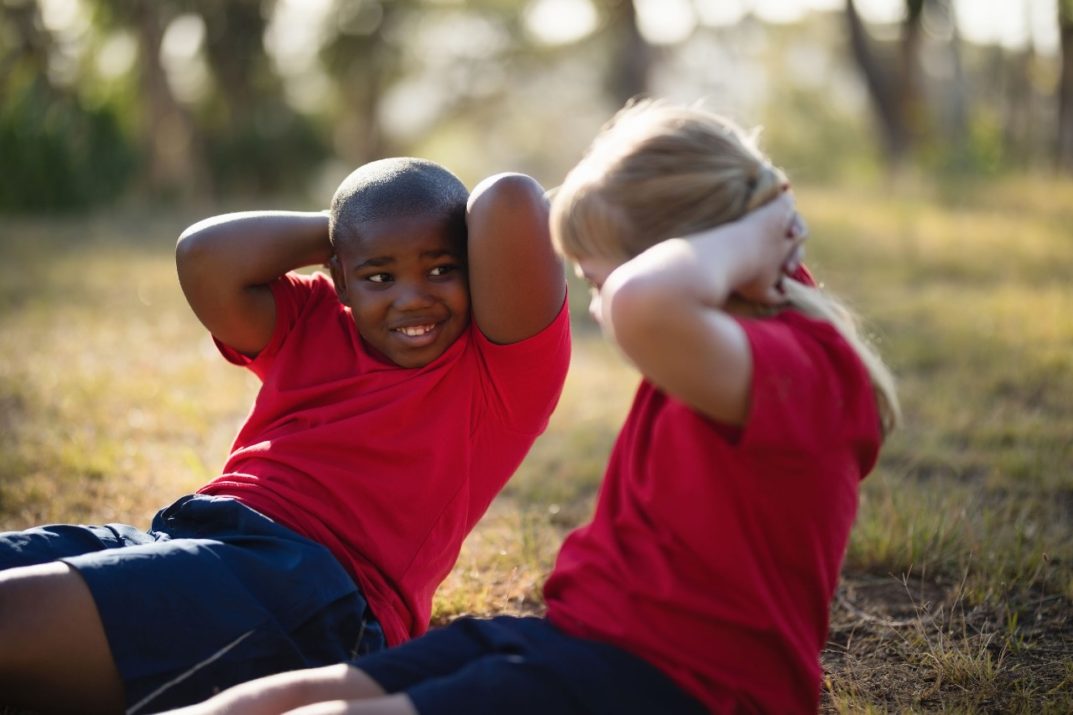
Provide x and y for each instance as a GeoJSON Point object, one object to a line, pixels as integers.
{"type": "Point", "coordinates": [523, 380]}
{"type": "Point", "coordinates": [291, 291]}
{"type": "Point", "coordinates": [809, 390]}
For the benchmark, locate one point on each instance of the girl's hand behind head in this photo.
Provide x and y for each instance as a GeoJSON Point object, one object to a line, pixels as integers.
{"type": "Point", "coordinates": [771, 240]}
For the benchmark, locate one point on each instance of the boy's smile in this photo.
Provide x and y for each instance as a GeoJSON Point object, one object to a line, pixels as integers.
{"type": "Point", "coordinates": [404, 280]}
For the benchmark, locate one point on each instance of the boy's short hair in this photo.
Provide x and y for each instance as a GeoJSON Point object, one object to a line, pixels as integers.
{"type": "Point", "coordinates": [396, 187]}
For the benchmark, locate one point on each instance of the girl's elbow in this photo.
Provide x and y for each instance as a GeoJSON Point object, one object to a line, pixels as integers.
{"type": "Point", "coordinates": [635, 309]}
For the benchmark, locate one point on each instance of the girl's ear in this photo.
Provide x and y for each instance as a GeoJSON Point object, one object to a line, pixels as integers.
{"type": "Point", "coordinates": [338, 278]}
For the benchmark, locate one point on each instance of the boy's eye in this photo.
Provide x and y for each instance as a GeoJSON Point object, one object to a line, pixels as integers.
{"type": "Point", "coordinates": [443, 270]}
{"type": "Point", "coordinates": [379, 277]}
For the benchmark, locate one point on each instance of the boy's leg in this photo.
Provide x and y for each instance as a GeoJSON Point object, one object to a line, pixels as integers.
{"type": "Point", "coordinates": [53, 651]}
{"type": "Point", "coordinates": [45, 544]}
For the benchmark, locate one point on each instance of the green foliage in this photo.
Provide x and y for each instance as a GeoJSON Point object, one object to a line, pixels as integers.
{"type": "Point", "coordinates": [58, 153]}
{"type": "Point", "coordinates": [814, 139]}
{"type": "Point", "coordinates": [982, 153]}
{"type": "Point", "coordinates": [275, 152]}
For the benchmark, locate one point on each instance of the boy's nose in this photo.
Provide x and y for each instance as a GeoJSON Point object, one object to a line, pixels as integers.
{"type": "Point", "coordinates": [411, 297]}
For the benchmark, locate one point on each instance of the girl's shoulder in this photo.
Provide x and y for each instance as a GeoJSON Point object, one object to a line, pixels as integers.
{"type": "Point", "coordinates": [809, 386]}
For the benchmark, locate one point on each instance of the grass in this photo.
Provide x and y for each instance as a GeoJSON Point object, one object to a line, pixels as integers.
{"type": "Point", "coordinates": [957, 592]}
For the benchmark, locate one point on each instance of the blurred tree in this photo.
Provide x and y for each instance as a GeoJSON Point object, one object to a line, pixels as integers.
{"type": "Point", "coordinates": [957, 125]}
{"type": "Point", "coordinates": [363, 56]}
{"type": "Point", "coordinates": [1065, 87]}
{"type": "Point", "coordinates": [630, 56]}
{"type": "Point", "coordinates": [252, 139]}
{"type": "Point", "coordinates": [894, 87]}
{"type": "Point", "coordinates": [23, 41]}
{"type": "Point", "coordinates": [174, 165]}
{"type": "Point", "coordinates": [58, 153]}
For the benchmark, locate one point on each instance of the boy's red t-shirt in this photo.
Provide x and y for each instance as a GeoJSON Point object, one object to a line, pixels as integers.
{"type": "Point", "coordinates": [388, 467]}
{"type": "Point", "coordinates": [714, 552]}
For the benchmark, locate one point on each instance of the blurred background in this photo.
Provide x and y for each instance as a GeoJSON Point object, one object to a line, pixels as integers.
{"type": "Point", "coordinates": [194, 100]}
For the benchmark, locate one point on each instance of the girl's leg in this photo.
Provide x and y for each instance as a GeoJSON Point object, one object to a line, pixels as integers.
{"type": "Point", "coordinates": [391, 705]}
{"type": "Point", "coordinates": [287, 691]}
{"type": "Point", "coordinates": [51, 634]}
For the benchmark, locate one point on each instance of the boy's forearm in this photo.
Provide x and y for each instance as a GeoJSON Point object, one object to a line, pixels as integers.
{"type": "Point", "coordinates": [253, 248]}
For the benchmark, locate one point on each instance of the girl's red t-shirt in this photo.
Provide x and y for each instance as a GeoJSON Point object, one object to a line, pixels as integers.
{"type": "Point", "coordinates": [714, 553]}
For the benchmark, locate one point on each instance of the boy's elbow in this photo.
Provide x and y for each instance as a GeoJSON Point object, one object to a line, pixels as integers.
{"type": "Point", "coordinates": [509, 191]}
{"type": "Point", "coordinates": [190, 248]}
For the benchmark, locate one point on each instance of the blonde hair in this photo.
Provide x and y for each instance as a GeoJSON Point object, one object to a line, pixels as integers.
{"type": "Point", "coordinates": [657, 171]}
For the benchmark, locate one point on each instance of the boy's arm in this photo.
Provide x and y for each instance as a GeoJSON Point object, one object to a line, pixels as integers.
{"type": "Point", "coordinates": [225, 264]}
{"type": "Point", "coordinates": [517, 283]}
{"type": "Point", "coordinates": [666, 307]}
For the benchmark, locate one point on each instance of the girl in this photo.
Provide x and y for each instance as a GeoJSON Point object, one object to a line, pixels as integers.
{"type": "Point", "coordinates": [703, 582]}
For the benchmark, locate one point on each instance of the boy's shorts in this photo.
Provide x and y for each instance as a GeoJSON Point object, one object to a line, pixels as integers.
{"type": "Point", "coordinates": [212, 595]}
{"type": "Point", "coordinates": [521, 666]}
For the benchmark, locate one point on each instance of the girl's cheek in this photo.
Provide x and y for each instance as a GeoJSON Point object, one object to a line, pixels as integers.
{"type": "Point", "coordinates": [595, 308]}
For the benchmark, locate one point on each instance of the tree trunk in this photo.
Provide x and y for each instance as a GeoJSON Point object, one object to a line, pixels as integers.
{"type": "Point", "coordinates": [897, 96]}
{"type": "Point", "coordinates": [631, 56]}
{"type": "Point", "coordinates": [30, 42]}
{"type": "Point", "coordinates": [1065, 88]}
{"type": "Point", "coordinates": [167, 130]}
{"type": "Point", "coordinates": [959, 119]}
{"type": "Point", "coordinates": [235, 50]}
{"type": "Point", "coordinates": [880, 88]}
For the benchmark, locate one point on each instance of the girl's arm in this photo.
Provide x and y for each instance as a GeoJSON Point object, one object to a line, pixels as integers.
{"type": "Point", "coordinates": [517, 284]}
{"type": "Point", "coordinates": [666, 308]}
{"type": "Point", "coordinates": [226, 262]}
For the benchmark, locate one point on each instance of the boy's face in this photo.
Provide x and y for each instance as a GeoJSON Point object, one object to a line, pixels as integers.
{"type": "Point", "coordinates": [404, 280]}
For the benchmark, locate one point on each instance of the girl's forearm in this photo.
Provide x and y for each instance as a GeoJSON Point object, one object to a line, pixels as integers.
{"type": "Point", "coordinates": [709, 267]}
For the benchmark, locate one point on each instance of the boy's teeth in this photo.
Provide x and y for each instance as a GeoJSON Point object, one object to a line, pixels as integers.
{"type": "Point", "coordinates": [415, 330]}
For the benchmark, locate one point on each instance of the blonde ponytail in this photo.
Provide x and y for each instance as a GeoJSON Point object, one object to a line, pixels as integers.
{"type": "Point", "coordinates": [815, 303]}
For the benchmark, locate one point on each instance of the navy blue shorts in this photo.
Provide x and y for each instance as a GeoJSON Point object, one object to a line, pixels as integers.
{"type": "Point", "coordinates": [212, 595]}
{"type": "Point", "coordinates": [520, 666]}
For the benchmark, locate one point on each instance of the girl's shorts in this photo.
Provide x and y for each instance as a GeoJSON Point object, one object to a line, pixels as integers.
{"type": "Point", "coordinates": [521, 666]}
{"type": "Point", "coordinates": [213, 594]}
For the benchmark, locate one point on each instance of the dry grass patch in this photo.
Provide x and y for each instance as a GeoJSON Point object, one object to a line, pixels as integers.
{"type": "Point", "coordinates": [958, 587]}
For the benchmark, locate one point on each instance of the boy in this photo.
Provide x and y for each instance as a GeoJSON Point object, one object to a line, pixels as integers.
{"type": "Point", "coordinates": [397, 399]}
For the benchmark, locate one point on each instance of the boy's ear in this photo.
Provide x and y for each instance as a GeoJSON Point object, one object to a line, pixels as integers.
{"type": "Point", "coordinates": [338, 278]}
